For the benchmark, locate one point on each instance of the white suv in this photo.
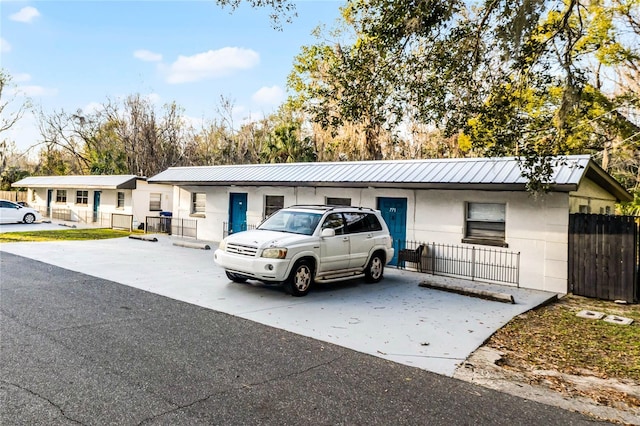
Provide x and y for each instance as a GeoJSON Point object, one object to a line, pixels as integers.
{"type": "Point", "coordinates": [301, 245]}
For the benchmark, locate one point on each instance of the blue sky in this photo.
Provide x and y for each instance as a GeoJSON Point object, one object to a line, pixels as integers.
{"type": "Point", "coordinates": [77, 54]}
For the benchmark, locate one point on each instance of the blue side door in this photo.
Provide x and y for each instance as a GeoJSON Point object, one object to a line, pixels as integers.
{"type": "Point", "coordinates": [237, 212]}
{"type": "Point", "coordinates": [96, 204]}
{"type": "Point", "coordinates": [394, 212]}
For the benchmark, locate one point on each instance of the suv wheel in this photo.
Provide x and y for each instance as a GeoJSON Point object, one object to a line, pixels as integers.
{"type": "Point", "coordinates": [374, 270]}
{"type": "Point", "coordinates": [236, 278]}
{"type": "Point", "coordinates": [300, 279]}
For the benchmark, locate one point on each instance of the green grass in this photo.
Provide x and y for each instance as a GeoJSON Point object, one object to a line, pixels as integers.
{"type": "Point", "coordinates": [554, 338]}
{"type": "Point", "coordinates": [63, 235]}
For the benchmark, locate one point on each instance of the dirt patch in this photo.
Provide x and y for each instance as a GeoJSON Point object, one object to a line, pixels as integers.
{"type": "Point", "coordinates": [605, 399]}
{"type": "Point", "coordinates": [551, 356]}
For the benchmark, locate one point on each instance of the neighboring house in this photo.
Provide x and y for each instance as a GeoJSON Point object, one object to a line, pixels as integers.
{"type": "Point", "coordinates": [475, 202]}
{"type": "Point", "coordinates": [94, 198]}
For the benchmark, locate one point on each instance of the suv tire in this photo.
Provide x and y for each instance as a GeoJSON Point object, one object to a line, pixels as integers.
{"type": "Point", "coordinates": [300, 279]}
{"type": "Point", "coordinates": [375, 268]}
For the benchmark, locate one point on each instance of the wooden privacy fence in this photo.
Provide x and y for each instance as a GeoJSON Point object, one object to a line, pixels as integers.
{"type": "Point", "coordinates": [603, 256]}
{"type": "Point", "coordinates": [14, 196]}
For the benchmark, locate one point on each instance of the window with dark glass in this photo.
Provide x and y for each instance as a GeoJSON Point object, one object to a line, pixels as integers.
{"type": "Point", "coordinates": [61, 196]}
{"type": "Point", "coordinates": [82, 197]}
{"type": "Point", "coordinates": [272, 203]}
{"type": "Point", "coordinates": [336, 201]}
{"type": "Point", "coordinates": [335, 222]}
{"type": "Point", "coordinates": [120, 204]}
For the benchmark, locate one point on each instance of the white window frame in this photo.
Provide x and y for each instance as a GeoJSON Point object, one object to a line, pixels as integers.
{"type": "Point", "coordinates": [198, 203]}
{"type": "Point", "coordinates": [155, 202]}
{"type": "Point", "coordinates": [485, 223]}
{"type": "Point", "coordinates": [61, 195]}
{"type": "Point", "coordinates": [84, 195]}
{"type": "Point", "coordinates": [120, 205]}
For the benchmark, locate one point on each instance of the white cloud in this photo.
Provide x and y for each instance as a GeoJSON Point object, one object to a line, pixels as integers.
{"type": "Point", "coordinates": [26, 14]}
{"type": "Point", "coordinates": [4, 46]}
{"type": "Point", "coordinates": [147, 55]}
{"type": "Point", "coordinates": [211, 64]}
{"type": "Point", "coordinates": [21, 78]}
{"type": "Point", "coordinates": [273, 95]}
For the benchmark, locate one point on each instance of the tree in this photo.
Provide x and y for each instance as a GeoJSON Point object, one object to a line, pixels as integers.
{"type": "Point", "coordinates": [503, 77]}
{"type": "Point", "coordinates": [8, 118]}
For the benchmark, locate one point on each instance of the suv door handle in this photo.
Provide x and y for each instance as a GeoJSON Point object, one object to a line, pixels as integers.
{"type": "Point", "coordinates": [345, 239]}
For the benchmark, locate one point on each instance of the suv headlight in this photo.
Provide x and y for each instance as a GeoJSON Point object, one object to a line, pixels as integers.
{"type": "Point", "coordinates": [274, 253]}
{"type": "Point", "coordinates": [223, 245]}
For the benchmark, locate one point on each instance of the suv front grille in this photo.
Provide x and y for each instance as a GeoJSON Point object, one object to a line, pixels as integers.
{"type": "Point", "coordinates": [241, 249]}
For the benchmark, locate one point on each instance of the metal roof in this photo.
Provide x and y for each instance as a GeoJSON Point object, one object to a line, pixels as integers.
{"type": "Point", "coordinates": [501, 173]}
{"type": "Point", "coordinates": [88, 182]}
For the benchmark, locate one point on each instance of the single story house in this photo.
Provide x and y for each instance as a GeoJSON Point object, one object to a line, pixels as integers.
{"type": "Point", "coordinates": [93, 198]}
{"type": "Point", "coordinates": [470, 202]}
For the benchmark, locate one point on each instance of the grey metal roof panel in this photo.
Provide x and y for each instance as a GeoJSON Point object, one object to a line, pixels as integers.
{"type": "Point", "coordinates": [88, 181]}
{"type": "Point", "coordinates": [452, 173]}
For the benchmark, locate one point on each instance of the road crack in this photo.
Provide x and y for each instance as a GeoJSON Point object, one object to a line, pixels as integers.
{"type": "Point", "coordinates": [43, 398]}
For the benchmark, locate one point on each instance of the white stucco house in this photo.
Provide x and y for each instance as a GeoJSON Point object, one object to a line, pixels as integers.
{"type": "Point", "coordinates": [91, 198]}
{"type": "Point", "coordinates": [475, 202]}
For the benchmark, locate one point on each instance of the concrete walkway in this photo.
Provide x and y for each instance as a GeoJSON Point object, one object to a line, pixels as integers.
{"type": "Point", "coordinates": [395, 319]}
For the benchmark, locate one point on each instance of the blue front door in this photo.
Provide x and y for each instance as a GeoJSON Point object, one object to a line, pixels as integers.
{"type": "Point", "coordinates": [96, 205]}
{"type": "Point", "coordinates": [237, 212]}
{"type": "Point", "coordinates": [394, 212]}
{"type": "Point", "coordinates": [49, 199]}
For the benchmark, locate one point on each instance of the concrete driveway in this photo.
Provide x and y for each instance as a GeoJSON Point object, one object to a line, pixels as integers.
{"type": "Point", "coordinates": [394, 319]}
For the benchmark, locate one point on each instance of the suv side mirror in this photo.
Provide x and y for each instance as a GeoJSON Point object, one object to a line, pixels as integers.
{"type": "Point", "coordinates": [328, 232]}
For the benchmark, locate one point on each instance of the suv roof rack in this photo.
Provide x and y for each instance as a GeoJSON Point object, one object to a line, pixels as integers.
{"type": "Point", "coordinates": [328, 207]}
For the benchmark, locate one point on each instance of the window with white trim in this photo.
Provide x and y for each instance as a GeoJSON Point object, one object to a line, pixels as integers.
{"type": "Point", "coordinates": [485, 224]}
{"type": "Point", "coordinates": [120, 203]}
{"type": "Point", "coordinates": [82, 197]}
{"type": "Point", "coordinates": [155, 201]}
{"type": "Point", "coordinates": [61, 196]}
{"type": "Point", "coordinates": [198, 202]}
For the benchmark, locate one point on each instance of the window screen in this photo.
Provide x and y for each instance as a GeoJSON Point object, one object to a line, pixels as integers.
{"type": "Point", "coordinates": [155, 201]}
{"type": "Point", "coordinates": [485, 221]}
{"type": "Point", "coordinates": [198, 202]}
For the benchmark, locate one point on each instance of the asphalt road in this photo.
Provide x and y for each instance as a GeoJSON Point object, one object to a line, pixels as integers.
{"type": "Point", "coordinates": [76, 349]}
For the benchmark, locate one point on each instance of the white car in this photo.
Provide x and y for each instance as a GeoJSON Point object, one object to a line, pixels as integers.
{"type": "Point", "coordinates": [11, 212]}
{"type": "Point", "coordinates": [301, 245]}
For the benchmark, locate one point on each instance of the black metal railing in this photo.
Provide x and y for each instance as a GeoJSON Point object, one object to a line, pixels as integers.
{"type": "Point", "coordinates": [229, 228]}
{"type": "Point", "coordinates": [476, 263]}
{"type": "Point", "coordinates": [172, 226]}
{"type": "Point", "coordinates": [184, 227]}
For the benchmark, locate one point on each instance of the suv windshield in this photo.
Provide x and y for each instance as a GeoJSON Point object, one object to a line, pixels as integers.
{"type": "Point", "coordinates": [292, 221]}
